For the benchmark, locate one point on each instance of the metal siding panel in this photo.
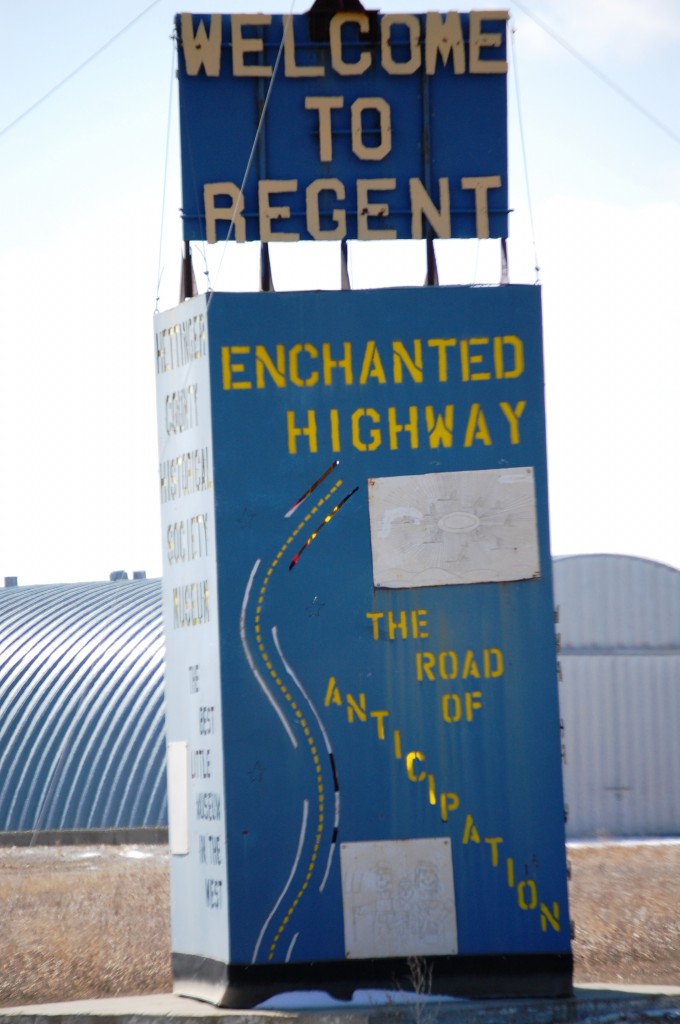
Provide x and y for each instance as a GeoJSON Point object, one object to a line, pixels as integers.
{"type": "Point", "coordinates": [622, 736]}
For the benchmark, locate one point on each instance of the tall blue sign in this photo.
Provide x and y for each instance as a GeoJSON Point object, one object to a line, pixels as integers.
{"type": "Point", "coordinates": [350, 125]}
{"type": "Point", "coordinates": [362, 703]}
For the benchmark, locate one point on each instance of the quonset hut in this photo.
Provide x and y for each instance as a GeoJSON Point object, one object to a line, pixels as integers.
{"type": "Point", "coordinates": [82, 732]}
{"type": "Point", "coordinates": [619, 621]}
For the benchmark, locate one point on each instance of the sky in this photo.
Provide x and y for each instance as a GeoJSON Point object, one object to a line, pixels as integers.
{"type": "Point", "coordinates": [90, 248]}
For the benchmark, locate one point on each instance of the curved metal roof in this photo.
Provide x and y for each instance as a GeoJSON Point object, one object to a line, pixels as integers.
{"type": "Point", "coordinates": [82, 727]}
{"type": "Point", "coordinates": [617, 602]}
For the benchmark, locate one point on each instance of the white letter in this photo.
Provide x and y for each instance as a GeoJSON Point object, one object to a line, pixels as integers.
{"type": "Point", "coordinates": [323, 105]}
{"type": "Point", "coordinates": [478, 40]}
{"type": "Point", "coordinates": [443, 38]}
{"type": "Point", "coordinates": [251, 44]}
{"type": "Point", "coordinates": [203, 49]}
{"type": "Point", "coordinates": [366, 209]}
{"type": "Point", "coordinates": [293, 69]}
{"type": "Point", "coordinates": [384, 113]}
{"type": "Point", "coordinates": [391, 66]}
{"type": "Point", "coordinates": [214, 213]}
{"type": "Point", "coordinates": [338, 216]}
{"type": "Point", "coordinates": [481, 187]}
{"type": "Point", "coordinates": [269, 213]}
{"type": "Point", "coordinates": [335, 35]}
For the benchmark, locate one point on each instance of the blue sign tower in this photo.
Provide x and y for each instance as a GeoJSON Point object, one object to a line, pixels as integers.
{"type": "Point", "coordinates": [363, 729]}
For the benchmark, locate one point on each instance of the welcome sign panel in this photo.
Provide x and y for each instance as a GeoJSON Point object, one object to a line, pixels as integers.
{"type": "Point", "coordinates": [389, 126]}
{"type": "Point", "coordinates": [391, 728]}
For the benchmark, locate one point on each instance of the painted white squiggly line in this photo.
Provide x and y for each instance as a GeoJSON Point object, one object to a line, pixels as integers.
{"type": "Point", "coordinates": [291, 673]}
{"type": "Point", "coordinates": [251, 661]}
{"type": "Point", "coordinates": [290, 948]}
{"type": "Point", "coordinates": [327, 742]}
{"type": "Point", "coordinates": [303, 829]}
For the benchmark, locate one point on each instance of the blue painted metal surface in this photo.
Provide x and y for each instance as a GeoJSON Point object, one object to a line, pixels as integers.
{"type": "Point", "coordinates": [352, 712]}
{"type": "Point", "coordinates": [442, 125]}
{"type": "Point", "coordinates": [82, 742]}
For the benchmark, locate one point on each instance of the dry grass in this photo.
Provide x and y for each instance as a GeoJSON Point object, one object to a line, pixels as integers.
{"type": "Point", "coordinates": [94, 921]}
{"type": "Point", "coordinates": [625, 905]}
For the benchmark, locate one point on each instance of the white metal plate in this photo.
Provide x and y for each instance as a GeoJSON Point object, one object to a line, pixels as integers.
{"type": "Point", "coordinates": [398, 898]}
{"type": "Point", "coordinates": [178, 797]}
{"type": "Point", "coordinates": [437, 529]}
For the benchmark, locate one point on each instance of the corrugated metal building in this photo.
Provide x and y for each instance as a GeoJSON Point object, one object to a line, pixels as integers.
{"type": "Point", "coordinates": [82, 741]}
{"type": "Point", "coordinates": [82, 731]}
{"type": "Point", "coordinates": [619, 622]}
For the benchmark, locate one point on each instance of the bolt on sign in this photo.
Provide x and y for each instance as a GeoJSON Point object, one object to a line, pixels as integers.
{"type": "Point", "coordinates": [343, 126]}
{"type": "Point", "coordinates": [363, 728]}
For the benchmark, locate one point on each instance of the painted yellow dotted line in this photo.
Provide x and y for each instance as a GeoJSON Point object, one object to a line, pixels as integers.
{"type": "Point", "coordinates": [298, 713]}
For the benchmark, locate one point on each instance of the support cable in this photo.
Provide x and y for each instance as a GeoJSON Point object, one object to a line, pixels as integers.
{"type": "Point", "coordinates": [599, 74]}
{"type": "Point", "coordinates": [256, 138]}
{"type": "Point", "coordinates": [524, 153]}
{"type": "Point", "coordinates": [165, 175]}
{"type": "Point", "coordinates": [72, 74]}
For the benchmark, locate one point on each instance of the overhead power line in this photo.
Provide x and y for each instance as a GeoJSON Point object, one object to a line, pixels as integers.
{"type": "Point", "coordinates": [77, 70]}
{"type": "Point", "coordinates": [599, 74]}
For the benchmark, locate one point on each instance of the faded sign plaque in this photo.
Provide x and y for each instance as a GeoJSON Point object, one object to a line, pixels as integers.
{"type": "Point", "coordinates": [398, 898]}
{"type": "Point", "coordinates": [435, 529]}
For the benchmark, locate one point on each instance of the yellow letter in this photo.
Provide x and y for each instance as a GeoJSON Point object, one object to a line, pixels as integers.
{"type": "Point", "coordinates": [332, 693]}
{"type": "Point", "coordinates": [448, 802]}
{"type": "Point", "coordinates": [512, 416]}
{"type": "Point", "coordinates": [401, 358]}
{"type": "Point", "coordinates": [548, 917]}
{"type": "Point", "coordinates": [496, 671]}
{"type": "Point", "coordinates": [477, 429]}
{"type": "Point", "coordinates": [442, 345]}
{"type": "Point", "coordinates": [524, 904]}
{"type": "Point", "coordinates": [470, 666]}
{"type": "Point", "coordinates": [356, 709]}
{"type": "Point", "coordinates": [341, 364]}
{"type": "Point", "coordinates": [295, 377]}
{"type": "Point", "coordinates": [229, 368]}
{"type": "Point", "coordinates": [294, 432]}
{"type": "Point", "coordinates": [411, 757]}
{"type": "Point", "coordinates": [467, 360]}
{"type": "Point", "coordinates": [494, 842]}
{"type": "Point", "coordinates": [264, 362]}
{"type": "Point", "coordinates": [470, 832]}
{"type": "Point", "coordinates": [375, 435]}
{"type": "Point", "coordinates": [439, 428]}
{"type": "Point", "coordinates": [396, 428]}
{"type": "Point", "coordinates": [372, 365]}
{"type": "Point", "coordinates": [499, 363]}
{"type": "Point", "coordinates": [375, 618]}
